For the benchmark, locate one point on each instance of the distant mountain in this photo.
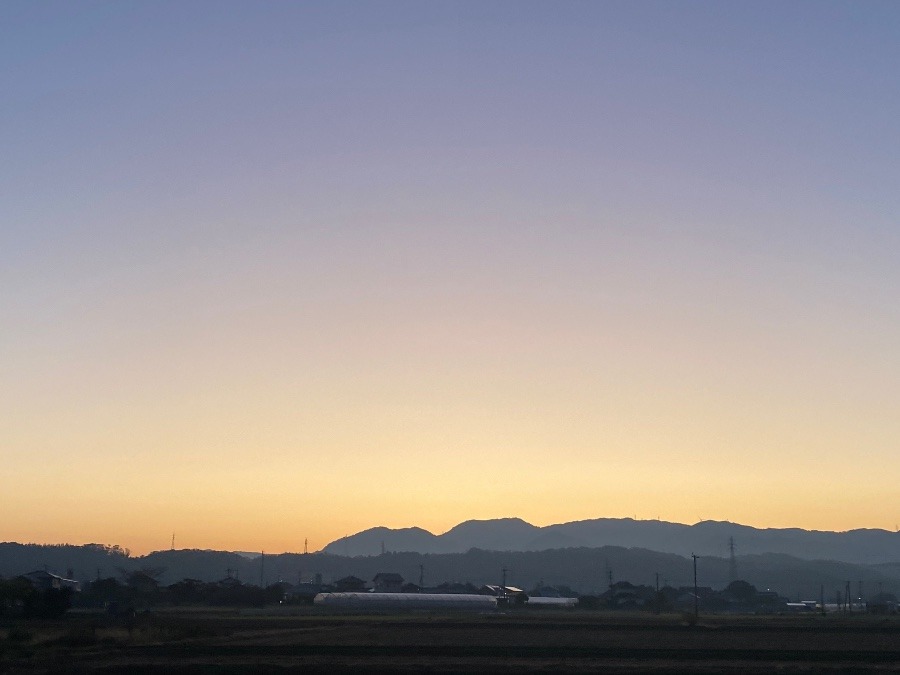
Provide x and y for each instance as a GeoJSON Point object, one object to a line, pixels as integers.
{"type": "Point", "coordinates": [864, 546]}
{"type": "Point", "coordinates": [505, 534]}
{"type": "Point", "coordinates": [372, 541]}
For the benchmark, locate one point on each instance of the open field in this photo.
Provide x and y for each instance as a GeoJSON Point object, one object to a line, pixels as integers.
{"type": "Point", "coordinates": [230, 641]}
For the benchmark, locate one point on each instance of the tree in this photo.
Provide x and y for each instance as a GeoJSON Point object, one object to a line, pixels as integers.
{"type": "Point", "coordinates": [741, 591]}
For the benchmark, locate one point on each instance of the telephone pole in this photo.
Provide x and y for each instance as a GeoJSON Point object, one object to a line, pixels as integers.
{"type": "Point", "coordinates": [657, 603]}
{"type": "Point", "coordinates": [696, 591]}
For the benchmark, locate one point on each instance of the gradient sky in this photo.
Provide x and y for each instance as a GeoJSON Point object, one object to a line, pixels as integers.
{"type": "Point", "coordinates": [276, 271]}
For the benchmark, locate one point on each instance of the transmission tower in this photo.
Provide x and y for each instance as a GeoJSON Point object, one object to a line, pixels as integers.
{"type": "Point", "coordinates": [732, 561]}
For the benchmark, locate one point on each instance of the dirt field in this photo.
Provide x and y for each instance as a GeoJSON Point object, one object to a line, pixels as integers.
{"type": "Point", "coordinates": [523, 641]}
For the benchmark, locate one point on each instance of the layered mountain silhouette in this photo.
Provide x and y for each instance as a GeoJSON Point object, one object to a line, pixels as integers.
{"type": "Point", "coordinates": [711, 538]}
{"type": "Point", "coordinates": [586, 570]}
{"type": "Point", "coordinates": [582, 555]}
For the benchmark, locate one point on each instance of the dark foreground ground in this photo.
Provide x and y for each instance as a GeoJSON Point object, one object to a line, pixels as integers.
{"type": "Point", "coordinates": [224, 641]}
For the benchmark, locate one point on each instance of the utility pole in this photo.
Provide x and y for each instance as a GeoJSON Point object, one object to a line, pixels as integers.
{"type": "Point", "coordinates": [696, 592]}
{"type": "Point", "coordinates": [421, 578]}
{"type": "Point", "coordinates": [657, 603]}
{"type": "Point", "coordinates": [305, 546]}
{"type": "Point", "coordinates": [849, 600]}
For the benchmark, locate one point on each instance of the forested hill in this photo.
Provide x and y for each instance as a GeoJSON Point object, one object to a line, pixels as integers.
{"type": "Point", "coordinates": [585, 570]}
{"type": "Point", "coordinates": [863, 546]}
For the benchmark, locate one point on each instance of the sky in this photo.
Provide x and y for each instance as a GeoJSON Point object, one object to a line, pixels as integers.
{"type": "Point", "coordinates": [280, 272]}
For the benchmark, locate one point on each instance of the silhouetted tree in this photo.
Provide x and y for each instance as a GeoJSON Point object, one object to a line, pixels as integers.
{"type": "Point", "coordinates": [741, 591]}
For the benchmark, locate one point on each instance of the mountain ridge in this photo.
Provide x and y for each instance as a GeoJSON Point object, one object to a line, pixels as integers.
{"type": "Point", "coordinates": [707, 537]}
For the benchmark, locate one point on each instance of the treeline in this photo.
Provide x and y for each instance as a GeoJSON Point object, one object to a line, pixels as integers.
{"type": "Point", "coordinates": [137, 591]}
{"type": "Point", "coordinates": [19, 597]}
{"type": "Point", "coordinates": [586, 570]}
{"type": "Point", "coordinates": [739, 596]}
{"type": "Point", "coordinates": [82, 561]}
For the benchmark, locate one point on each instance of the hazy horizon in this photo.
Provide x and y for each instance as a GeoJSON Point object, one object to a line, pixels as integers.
{"type": "Point", "coordinates": [176, 545]}
{"type": "Point", "coordinates": [286, 271]}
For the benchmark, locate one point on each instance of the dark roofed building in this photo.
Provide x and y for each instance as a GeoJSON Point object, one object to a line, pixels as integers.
{"type": "Point", "coordinates": [455, 588]}
{"type": "Point", "coordinates": [491, 589]}
{"type": "Point", "coordinates": [350, 584]}
{"type": "Point", "coordinates": [388, 582]}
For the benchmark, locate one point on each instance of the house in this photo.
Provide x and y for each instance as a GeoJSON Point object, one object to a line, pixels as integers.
{"type": "Point", "coordinates": [506, 595]}
{"type": "Point", "coordinates": [229, 582]}
{"type": "Point", "coordinates": [44, 581]}
{"type": "Point", "coordinates": [304, 592]}
{"type": "Point", "coordinates": [490, 589]}
{"type": "Point", "coordinates": [388, 582]}
{"type": "Point", "coordinates": [349, 584]}
{"type": "Point", "coordinates": [540, 591]}
{"type": "Point", "coordinates": [625, 595]}
{"type": "Point", "coordinates": [768, 602]}
{"type": "Point", "coordinates": [142, 581]}
{"type": "Point", "coordinates": [454, 589]}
